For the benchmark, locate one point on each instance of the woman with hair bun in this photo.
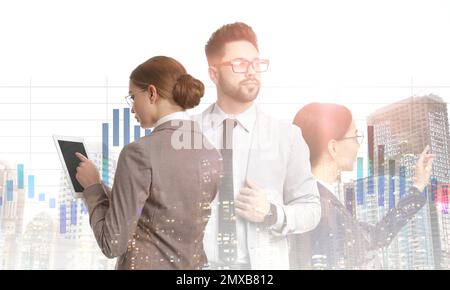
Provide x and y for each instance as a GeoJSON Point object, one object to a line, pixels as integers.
{"type": "Point", "coordinates": [156, 212]}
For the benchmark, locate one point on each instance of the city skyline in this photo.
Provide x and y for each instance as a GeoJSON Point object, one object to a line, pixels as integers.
{"type": "Point", "coordinates": [397, 133]}
{"type": "Point", "coordinates": [73, 226]}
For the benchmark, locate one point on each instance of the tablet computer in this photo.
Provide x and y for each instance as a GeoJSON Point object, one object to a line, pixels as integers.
{"type": "Point", "coordinates": [67, 147]}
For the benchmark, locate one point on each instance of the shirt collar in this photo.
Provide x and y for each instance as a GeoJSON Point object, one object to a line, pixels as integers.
{"type": "Point", "coordinates": [245, 119]}
{"type": "Point", "coordinates": [182, 115]}
{"type": "Point", "coordinates": [327, 186]}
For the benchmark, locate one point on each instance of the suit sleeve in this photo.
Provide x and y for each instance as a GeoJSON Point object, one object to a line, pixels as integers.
{"type": "Point", "coordinates": [382, 234]}
{"type": "Point", "coordinates": [114, 220]}
{"type": "Point", "coordinates": [301, 209]}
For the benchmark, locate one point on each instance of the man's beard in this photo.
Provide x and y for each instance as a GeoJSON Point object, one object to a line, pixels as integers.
{"type": "Point", "coordinates": [240, 93]}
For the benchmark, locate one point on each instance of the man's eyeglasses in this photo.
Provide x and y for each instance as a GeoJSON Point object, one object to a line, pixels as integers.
{"type": "Point", "coordinates": [359, 138]}
{"type": "Point", "coordinates": [241, 65]}
{"type": "Point", "coordinates": [130, 98]}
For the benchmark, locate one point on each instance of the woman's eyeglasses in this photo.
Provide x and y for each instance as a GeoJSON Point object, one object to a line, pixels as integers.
{"type": "Point", "coordinates": [359, 138]}
{"type": "Point", "coordinates": [130, 98]}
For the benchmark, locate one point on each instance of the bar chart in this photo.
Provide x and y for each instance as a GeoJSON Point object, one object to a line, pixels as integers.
{"type": "Point", "coordinates": [116, 137]}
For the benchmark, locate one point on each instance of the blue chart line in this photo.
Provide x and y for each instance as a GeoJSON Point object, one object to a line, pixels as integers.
{"type": "Point", "coordinates": [434, 188]}
{"type": "Point", "coordinates": [439, 192]}
{"type": "Point", "coordinates": [9, 190]}
{"type": "Point", "coordinates": [31, 186]}
{"type": "Point", "coordinates": [62, 219]}
{"type": "Point", "coordinates": [105, 159]}
{"type": "Point", "coordinates": [126, 131]}
{"type": "Point", "coordinates": [73, 212]}
{"type": "Point", "coordinates": [20, 169]}
{"type": "Point", "coordinates": [391, 183]}
{"type": "Point", "coordinates": [402, 181]}
{"type": "Point", "coordinates": [105, 153]}
{"type": "Point", "coordinates": [359, 181]}
{"type": "Point", "coordinates": [126, 126]}
{"type": "Point", "coordinates": [116, 127]}
{"type": "Point", "coordinates": [380, 175]}
{"type": "Point", "coordinates": [13, 187]}
{"type": "Point", "coordinates": [370, 161]}
{"type": "Point", "coordinates": [137, 132]}
{"type": "Point", "coordinates": [28, 182]}
{"type": "Point", "coordinates": [52, 203]}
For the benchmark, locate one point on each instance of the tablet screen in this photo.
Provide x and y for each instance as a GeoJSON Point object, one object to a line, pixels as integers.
{"type": "Point", "coordinates": [68, 150]}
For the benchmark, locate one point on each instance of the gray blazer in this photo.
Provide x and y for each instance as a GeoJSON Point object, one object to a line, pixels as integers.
{"type": "Point", "coordinates": [155, 215]}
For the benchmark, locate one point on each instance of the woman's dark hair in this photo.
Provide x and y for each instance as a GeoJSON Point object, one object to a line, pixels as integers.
{"type": "Point", "coordinates": [170, 79]}
{"type": "Point", "coordinates": [321, 122]}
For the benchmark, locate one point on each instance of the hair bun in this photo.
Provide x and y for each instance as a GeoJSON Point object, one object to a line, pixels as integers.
{"type": "Point", "coordinates": [188, 91]}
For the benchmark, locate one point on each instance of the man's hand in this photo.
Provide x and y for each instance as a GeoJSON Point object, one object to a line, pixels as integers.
{"type": "Point", "coordinates": [423, 169]}
{"type": "Point", "coordinates": [252, 203]}
{"type": "Point", "coordinates": [87, 172]}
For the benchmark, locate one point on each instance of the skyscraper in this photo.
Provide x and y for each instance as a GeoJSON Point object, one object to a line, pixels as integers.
{"type": "Point", "coordinates": [400, 132]}
{"type": "Point", "coordinates": [12, 210]}
{"type": "Point", "coordinates": [38, 242]}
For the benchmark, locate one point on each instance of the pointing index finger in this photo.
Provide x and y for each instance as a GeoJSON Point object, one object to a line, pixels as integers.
{"type": "Point", "coordinates": [81, 156]}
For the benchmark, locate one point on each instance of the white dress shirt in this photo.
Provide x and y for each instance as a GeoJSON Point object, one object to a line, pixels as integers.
{"type": "Point", "coordinates": [328, 186]}
{"type": "Point", "coordinates": [274, 155]}
{"type": "Point", "coordinates": [181, 115]}
{"type": "Point", "coordinates": [242, 135]}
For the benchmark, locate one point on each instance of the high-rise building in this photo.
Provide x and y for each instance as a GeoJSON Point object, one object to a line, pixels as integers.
{"type": "Point", "coordinates": [400, 133]}
{"type": "Point", "coordinates": [12, 210]}
{"type": "Point", "coordinates": [407, 250]}
{"type": "Point", "coordinates": [38, 242]}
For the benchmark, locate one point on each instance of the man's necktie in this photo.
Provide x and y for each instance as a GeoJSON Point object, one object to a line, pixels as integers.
{"type": "Point", "coordinates": [227, 220]}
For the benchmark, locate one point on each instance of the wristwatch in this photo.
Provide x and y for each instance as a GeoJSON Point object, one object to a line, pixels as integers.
{"type": "Point", "coordinates": [271, 217]}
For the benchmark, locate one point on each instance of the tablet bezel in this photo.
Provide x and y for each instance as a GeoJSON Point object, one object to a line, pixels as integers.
{"type": "Point", "coordinates": [57, 138]}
